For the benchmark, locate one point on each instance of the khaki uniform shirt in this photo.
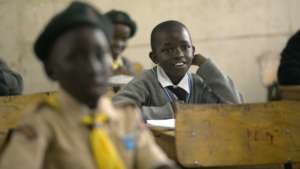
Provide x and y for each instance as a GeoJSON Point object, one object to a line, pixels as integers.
{"type": "Point", "coordinates": [49, 139]}
{"type": "Point", "coordinates": [123, 67]}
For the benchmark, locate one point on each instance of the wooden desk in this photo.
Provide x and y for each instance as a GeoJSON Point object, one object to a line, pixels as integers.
{"type": "Point", "coordinates": [263, 135]}
{"type": "Point", "coordinates": [13, 107]}
{"type": "Point", "coordinates": [289, 92]}
{"type": "Point", "coordinates": [166, 140]}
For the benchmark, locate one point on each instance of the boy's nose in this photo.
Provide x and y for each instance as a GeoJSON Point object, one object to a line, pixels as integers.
{"type": "Point", "coordinates": [94, 64]}
{"type": "Point", "coordinates": [120, 43]}
{"type": "Point", "coordinates": [179, 52]}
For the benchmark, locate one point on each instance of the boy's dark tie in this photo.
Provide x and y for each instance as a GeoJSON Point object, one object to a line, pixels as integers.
{"type": "Point", "coordinates": [179, 92]}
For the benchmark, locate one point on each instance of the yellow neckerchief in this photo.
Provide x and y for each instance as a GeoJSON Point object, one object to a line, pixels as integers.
{"type": "Point", "coordinates": [103, 149]}
{"type": "Point", "coordinates": [117, 63]}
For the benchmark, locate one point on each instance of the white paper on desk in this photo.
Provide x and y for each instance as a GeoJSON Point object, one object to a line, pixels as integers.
{"type": "Point", "coordinates": [165, 124]}
{"type": "Point", "coordinates": [119, 80]}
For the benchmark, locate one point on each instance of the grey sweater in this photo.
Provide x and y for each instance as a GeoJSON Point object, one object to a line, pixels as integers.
{"type": "Point", "coordinates": [209, 85]}
{"type": "Point", "coordinates": [11, 83]}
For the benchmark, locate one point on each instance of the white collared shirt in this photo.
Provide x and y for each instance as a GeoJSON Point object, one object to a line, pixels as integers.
{"type": "Point", "coordinates": [165, 81]}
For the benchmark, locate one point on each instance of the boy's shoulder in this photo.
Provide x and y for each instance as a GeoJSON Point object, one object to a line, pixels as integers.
{"type": "Point", "coordinates": [37, 119]}
{"type": "Point", "coordinates": [44, 109]}
{"type": "Point", "coordinates": [40, 110]}
{"type": "Point", "coordinates": [196, 77]}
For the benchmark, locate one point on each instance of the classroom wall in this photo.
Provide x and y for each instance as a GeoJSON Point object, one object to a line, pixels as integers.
{"type": "Point", "coordinates": [233, 33]}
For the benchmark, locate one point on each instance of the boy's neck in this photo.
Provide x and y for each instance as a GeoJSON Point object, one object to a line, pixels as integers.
{"type": "Point", "coordinates": [176, 80]}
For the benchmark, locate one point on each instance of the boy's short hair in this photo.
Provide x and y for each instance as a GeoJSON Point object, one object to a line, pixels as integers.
{"type": "Point", "coordinates": [76, 14]}
{"type": "Point", "coordinates": [163, 26]}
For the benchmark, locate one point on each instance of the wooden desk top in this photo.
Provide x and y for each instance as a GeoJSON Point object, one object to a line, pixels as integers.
{"type": "Point", "coordinates": [289, 92]}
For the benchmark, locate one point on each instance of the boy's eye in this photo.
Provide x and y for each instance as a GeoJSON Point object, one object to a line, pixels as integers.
{"type": "Point", "coordinates": [99, 53]}
{"type": "Point", "coordinates": [186, 46]}
{"type": "Point", "coordinates": [168, 50]}
{"type": "Point", "coordinates": [125, 38]}
{"type": "Point", "coordinates": [75, 56]}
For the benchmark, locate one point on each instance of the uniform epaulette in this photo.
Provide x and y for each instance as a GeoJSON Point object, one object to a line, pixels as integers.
{"type": "Point", "coordinates": [125, 105]}
{"type": "Point", "coordinates": [129, 105]}
{"type": "Point", "coordinates": [50, 102]}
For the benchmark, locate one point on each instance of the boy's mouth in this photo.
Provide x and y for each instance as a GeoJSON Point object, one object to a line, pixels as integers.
{"type": "Point", "coordinates": [179, 64]}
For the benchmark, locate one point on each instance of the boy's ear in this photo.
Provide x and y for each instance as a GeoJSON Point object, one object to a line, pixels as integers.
{"type": "Point", "coordinates": [193, 50]}
{"type": "Point", "coordinates": [153, 57]}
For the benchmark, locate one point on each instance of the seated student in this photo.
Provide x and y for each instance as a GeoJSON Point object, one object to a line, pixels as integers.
{"type": "Point", "coordinates": [289, 68]}
{"type": "Point", "coordinates": [173, 52]}
{"type": "Point", "coordinates": [80, 129]}
{"type": "Point", "coordinates": [124, 29]}
{"type": "Point", "coordinates": [11, 83]}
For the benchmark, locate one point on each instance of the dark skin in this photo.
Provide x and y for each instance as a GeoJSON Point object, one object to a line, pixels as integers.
{"type": "Point", "coordinates": [175, 53]}
{"type": "Point", "coordinates": [80, 62]}
{"type": "Point", "coordinates": [120, 38]}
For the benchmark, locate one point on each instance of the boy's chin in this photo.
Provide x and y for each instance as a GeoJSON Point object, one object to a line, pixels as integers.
{"type": "Point", "coordinates": [181, 71]}
{"type": "Point", "coordinates": [177, 75]}
{"type": "Point", "coordinates": [181, 75]}
{"type": "Point", "coordinates": [92, 103]}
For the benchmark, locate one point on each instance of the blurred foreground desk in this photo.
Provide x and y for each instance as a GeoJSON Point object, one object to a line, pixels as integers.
{"type": "Point", "coordinates": [13, 107]}
{"type": "Point", "coordinates": [262, 135]}
{"type": "Point", "coordinates": [166, 140]}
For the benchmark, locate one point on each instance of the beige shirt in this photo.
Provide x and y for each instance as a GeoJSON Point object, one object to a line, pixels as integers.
{"type": "Point", "coordinates": [51, 139]}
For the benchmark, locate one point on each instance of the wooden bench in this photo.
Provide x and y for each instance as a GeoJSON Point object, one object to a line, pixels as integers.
{"type": "Point", "coordinates": [262, 135]}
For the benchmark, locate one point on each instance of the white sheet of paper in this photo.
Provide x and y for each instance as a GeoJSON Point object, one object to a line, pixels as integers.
{"type": "Point", "coordinates": [165, 124]}
{"type": "Point", "coordinates": [119, 80]}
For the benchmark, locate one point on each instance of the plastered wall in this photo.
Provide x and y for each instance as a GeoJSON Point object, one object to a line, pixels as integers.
{"type": "Point", "coordinates": [233, 33]}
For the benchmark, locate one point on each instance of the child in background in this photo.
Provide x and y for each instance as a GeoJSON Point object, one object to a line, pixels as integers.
{"type": "Point", "coordinates": [124, 29]}
{"type": "Point", "coordinates": [170, 80]}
